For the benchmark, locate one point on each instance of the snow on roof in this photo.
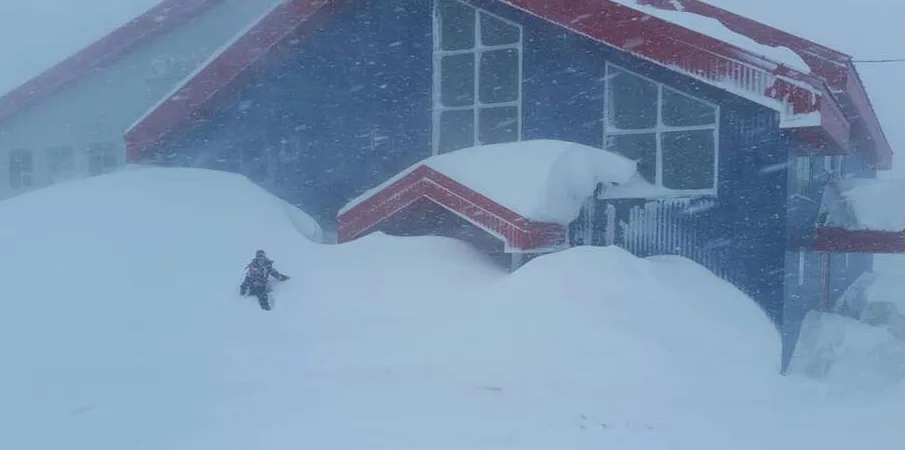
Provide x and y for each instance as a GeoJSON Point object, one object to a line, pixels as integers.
{"type": "Point", "coordinates": [865, 204]}
{"type": "Point", "coordinates": [541, 180]}
{"type": "Point", "coordinates": [715, 29]}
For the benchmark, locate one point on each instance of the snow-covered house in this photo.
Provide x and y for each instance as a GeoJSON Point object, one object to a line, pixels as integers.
{"type": "Point", "coordinates": [69, 120]}
{"type": "Point", "coordinates": [735, 129]}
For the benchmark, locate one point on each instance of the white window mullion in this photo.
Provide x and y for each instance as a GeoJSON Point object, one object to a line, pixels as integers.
{"type": "Point", "coordinates": [657, 136]}
{"type": "Point", "coordinates": [518, 98]}
{"type": "Point", "coordinates": [477, 78]}
{"type": "Point", "coordinates": [477, 51]}
{"type": "Point", "coordinates": [437, 75]}
{"type": "Point", "coordinates": [478, 47]}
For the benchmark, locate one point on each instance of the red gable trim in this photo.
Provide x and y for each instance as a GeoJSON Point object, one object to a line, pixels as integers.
{"type": "Point", "coordinates": [792, 92]}
{"type": "Point", "coordinates": [248, 48]}
{"type": "Point", "coordinates": [155, 22]}
{"type": "Point", "coordinates": [423, 182]}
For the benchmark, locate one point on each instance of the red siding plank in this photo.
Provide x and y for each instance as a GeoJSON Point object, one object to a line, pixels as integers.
{"type": "Point", "coordinates": [155, 22]}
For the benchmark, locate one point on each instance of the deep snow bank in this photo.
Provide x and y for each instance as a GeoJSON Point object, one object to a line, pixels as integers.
{"type": "Point", "coordinates": [122, 327]}
{"type": "Point", "coordinates": [587, 348]}
{"type": "Point", "coordinates": [122, 330]}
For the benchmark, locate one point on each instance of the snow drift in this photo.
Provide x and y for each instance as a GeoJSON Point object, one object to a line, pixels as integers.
{"type": "Point", "coordinates": [865, 204]}
{"type": "Point", "coordinates": [123, 330]}
{"type": "Point", "coordinates": [550, 183]}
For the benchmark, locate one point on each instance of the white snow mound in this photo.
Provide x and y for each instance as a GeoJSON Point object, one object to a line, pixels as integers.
{"type": "Point", "coordinates": [872, 203]}
{"type": "Point", "coordinates": [123, 330]}
{"type": "Point", "coordinates": [541, 180]}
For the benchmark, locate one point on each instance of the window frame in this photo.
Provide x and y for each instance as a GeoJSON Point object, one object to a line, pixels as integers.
{"type": "Point", "coordinates": [26, 178]}
{"type": "Point", "coordinates": [477, 50]}
{"type": "Point", "coordinates": [660, 128]}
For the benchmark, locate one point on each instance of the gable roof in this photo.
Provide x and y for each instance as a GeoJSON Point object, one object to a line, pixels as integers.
{"type": "Point", "coordinates": [821, 106]}
{"type": "Point", "coordinates": [422, 182]}
{"type": "Point", "coordinates": [155, 22]}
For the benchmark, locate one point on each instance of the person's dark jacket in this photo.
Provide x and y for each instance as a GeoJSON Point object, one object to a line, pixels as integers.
{"type": "Point", "coordinates": [257, 276]}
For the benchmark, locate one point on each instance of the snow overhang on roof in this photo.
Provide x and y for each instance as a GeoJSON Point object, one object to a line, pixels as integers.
{"type": "Point", "coordinates": [859, 215]}
{"type": "Point", "coordinates": [157, 21]}
{"type": "Point", "coordinates": [739, 55]}
{"type": "Point", "coordinates": [527, 207]}
{"type": "Point", "coordinates": [816, 90]}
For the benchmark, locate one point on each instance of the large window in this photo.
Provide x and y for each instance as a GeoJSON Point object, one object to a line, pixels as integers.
{"type": "Point", "coordinates": [672, 136]}
{"type": "Point", "coordinates": [477, 77]}
{"type": "Point", "coordinates": [21, 169]}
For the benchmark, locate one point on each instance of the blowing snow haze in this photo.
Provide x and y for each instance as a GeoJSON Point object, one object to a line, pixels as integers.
{"type": "Point", "coordinates": [36, 35]}
{"type": "Point", "coordinates": [503, 226]}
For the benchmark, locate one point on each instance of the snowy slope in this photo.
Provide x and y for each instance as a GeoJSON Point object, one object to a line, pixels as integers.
{"type": "Point", "coordinates": [122, 330]}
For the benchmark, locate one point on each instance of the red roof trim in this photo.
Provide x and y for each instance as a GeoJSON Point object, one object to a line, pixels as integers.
{"type": "Point", "coordinates": [705, 57]}
{"type": "Point", "coordinates": [841, 240]}
{"type": "Point", "coordinates": [249, 47]}
{"type": "Point", "coordinates": [834, 67]}
{"type": "Point", "coordinates": [829, 64]}
{"type": "Point", "coordinates": [627, 29]}
{"type": "Point", "coordinates": [426, 183]}
{"type": "Point", "coordinates": [155, 22]}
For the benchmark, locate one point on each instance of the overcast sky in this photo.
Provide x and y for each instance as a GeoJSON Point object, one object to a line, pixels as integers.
{"type": "Point", "coordinates": [34, 34]}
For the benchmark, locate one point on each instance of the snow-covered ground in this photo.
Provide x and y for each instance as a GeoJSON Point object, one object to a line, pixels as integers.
{"type": "Point", "coordinates": [123, 329]}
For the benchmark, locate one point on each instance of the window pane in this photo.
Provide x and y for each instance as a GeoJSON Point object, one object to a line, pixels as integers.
{"type": "Point", "coordinates": [456, 130]}
{"type": "Point", "coordinates": [457, 80]}
{"type": "Point", "coordinates": [498, 125]}
{"type": "Point", "coordinates": [683, 111]}
{"type": "Point", "coordinates": [688, 159]}
{"type": "Point", "coordinates": [637, 147]}
{"type": "Point", "coordinates": [496, 32]}
{"type": "Point", "coordinates": [632, 101]}
{"type": "Point", "coordinates": [499, 76]}
{"type": "Point", "coordinates": [456, 25]}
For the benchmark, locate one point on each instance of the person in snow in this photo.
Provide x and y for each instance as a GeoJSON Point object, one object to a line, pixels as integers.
{"type": "Point", "coordinates": [257, 278]}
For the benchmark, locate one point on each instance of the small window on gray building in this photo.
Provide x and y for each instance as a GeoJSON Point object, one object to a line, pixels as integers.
{"type": "Point", "coordinates": [60, 163]}
{"type": "Point", "coordinates": [21, 168]}
{"type": "Point", "coordinates": [102, 158]}
{"type": "Point", "coordinates": [671, 135]}
{"type": "Point", "coordinates": [477, 70]}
